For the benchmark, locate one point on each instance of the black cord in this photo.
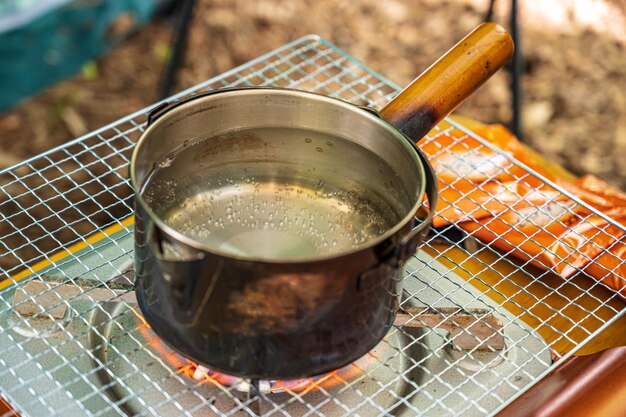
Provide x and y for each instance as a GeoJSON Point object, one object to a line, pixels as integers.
{"type": "Point", "coordinates": [179, 43]}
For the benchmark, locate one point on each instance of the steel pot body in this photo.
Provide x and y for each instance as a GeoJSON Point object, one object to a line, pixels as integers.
{"type": "Point", "coordinates": [271, 224]}
{"type": "Point", "coordinates": [273, 301]}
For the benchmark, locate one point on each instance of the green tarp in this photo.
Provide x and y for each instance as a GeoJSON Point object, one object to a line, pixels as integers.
{"type": "Point", "coordinates": [44, 41]}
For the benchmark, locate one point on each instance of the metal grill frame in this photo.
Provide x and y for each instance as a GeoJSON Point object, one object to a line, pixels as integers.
{"type": "Point", "coordinates": [87, 177]}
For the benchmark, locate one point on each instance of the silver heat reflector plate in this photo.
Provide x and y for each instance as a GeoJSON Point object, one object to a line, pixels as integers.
{"type": "Point", "coordinates": [118, 365]}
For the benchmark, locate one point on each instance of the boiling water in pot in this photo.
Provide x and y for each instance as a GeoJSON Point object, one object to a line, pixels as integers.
{"type": "Point", "coordinates": [247, 194]}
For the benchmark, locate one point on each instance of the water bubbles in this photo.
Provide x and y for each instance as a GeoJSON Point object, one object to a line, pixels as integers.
{"type": "Point", "coordinates": [166, 163]}
{"type": "Point", "coordinates": [268, 214]}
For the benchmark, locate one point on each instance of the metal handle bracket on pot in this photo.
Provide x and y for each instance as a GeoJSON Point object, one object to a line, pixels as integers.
{"type": "Point", "coordinates": [182, 274]}
{"type": "Point", "coordinates": [157, 111]}
{"type": "Point", "coordinates": [394, 256]}
{"type": "Point", "coordinates": [409, 243]}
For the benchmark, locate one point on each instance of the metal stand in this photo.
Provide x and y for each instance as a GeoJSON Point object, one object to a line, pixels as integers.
{"type": "Point", "coordinates": [254, 396]}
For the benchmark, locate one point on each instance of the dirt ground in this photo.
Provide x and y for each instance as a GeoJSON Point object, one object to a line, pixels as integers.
{"type": "Point", "coordinates": [574, 85]}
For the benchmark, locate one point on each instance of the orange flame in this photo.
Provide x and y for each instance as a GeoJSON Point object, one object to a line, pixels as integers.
{"type": "Point", "coordinates": [200, 373]}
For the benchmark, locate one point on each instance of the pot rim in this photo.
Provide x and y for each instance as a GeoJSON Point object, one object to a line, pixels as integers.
{"type": "Point", "coordinates": [371, 114]}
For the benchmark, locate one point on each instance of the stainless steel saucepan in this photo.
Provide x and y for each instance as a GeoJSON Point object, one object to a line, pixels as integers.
{"type": "Point", "coordinates": [272, 224]}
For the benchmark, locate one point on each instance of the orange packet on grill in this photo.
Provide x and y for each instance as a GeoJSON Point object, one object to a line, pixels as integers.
{"type": "Point", "coordinates": [561, 237]}
{"type": "Point", "coordinates": [462, 163]}
{"type": "Point", "coordinates": [610, 267]}
{"type": "Point", "coordinates": [595, 192]}
{"type": "Point", "coordinates": [475, 201]}
{"type": "Point", "coordinates": [500, 203]}
{"type": "Point", "coordinates": [456, 155]}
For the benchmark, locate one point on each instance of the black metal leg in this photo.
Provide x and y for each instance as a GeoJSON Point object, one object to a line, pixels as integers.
{"type": "Point", "coordinates": [179, 43]}
{"type": "Point", "coordinates": [516, 74]}
{"type": "Point", "coordinates": [515, 68]}
{"type": "Point", "coordinates": [489, 15]}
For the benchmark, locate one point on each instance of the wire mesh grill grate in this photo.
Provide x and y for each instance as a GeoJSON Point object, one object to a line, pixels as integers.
{"type": "Point", "coordinates": [72, 342]}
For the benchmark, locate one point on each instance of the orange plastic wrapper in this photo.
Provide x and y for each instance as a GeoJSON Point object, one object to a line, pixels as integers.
{"type": "Point", "coordinates": [500, 203]}
{"type": "Point", "coordinates": [610, 267]}
{"type": "Point", "coordinates": [565, 244]}
{"type": "Point", "coordinates": [462, 163]}
{"type": "Point", "coordinates": [596, 192]}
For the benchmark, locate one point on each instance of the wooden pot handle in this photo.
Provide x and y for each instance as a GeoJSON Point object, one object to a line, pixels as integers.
{"type": "Point", "coordinates": [449, 81]}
